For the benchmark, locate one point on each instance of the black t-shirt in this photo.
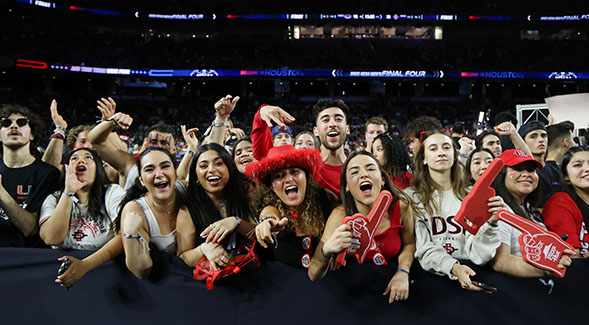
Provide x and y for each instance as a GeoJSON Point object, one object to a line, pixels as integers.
{"type": "Point", "coordinates": [550, 181]}
{"type": "Point", "coordinates": [28, 186]}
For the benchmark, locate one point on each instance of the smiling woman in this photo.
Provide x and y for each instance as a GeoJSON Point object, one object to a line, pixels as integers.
{"type": "Point", "coordinates": [218, 208]}
{"type": "Point", "coordinates": [516, 183]}
{"type": "Point", "coordinates": [150, 210]}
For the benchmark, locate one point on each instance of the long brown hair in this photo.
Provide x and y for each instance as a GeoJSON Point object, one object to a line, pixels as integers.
{"type": "Point", "coordinates": [424, 185]}
{"type": "Point", "coordinates": [346, 196]}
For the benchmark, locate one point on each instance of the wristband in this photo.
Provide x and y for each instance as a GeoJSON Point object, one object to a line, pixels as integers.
{"type": "Point", "coordinates": [219, 124]}
{"type": "Point", "coordinates": [57, 135]}
{"type": "Point", "coordinates": [191, 152]}
{"type": "Point", "coordinates": [237, 219]}
{"type": "Point", "coordinates": [112, 118]}
{"type": "Point", "coordinates": [327, 257]}
{"type": "Point", "coordinates": [403, 270]}
{"type": "Point", "coordinates": [268, 217]}
{"type": "Point", "coordinates": [71, 195]}
{"type": "Point", "coordinates": [137, 236]}
{"type": "Point", "coordinates": [60, 129]}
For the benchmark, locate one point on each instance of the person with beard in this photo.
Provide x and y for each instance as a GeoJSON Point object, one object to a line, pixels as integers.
{"type": "Point", "coordinates": [25, 180]}
{"type": "Point", "coordinates": [331, 126]}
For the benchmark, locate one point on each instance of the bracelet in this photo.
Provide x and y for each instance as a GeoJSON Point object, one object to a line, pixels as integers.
{"type": "Point", "coordinates": [546, 274]}
{"type": "Point", "coordinates": [268, 217]}
{"type": "Point", "coordinates": [60, 129]}
{"type": "Point", "coordinates": [71, 195]}
{"type": "Point", "coordinates": [403, 270]}
{"type": "Point", "coordinates": [219, 124]}
{"type": "Point", "coordinates": [112, 118]}
{"type": "Point", "coordinates": [237, 219]}
{"type": "Point", "coordinates": [327, 257]}
{"type": "Point", "coordinates": [191, 152]}
{"type": "Point", "coordinates": [492, 224]}
{"type": "Point", "coordinates": [137, 236]}
{"type": "Point", "coordinates": [57, 135]}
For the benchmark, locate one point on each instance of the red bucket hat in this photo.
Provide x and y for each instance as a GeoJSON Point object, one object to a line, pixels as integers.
{"type": "Point", "coordinates": [283, 157]}
{"type": "Point", "coordinates": [514, 157]}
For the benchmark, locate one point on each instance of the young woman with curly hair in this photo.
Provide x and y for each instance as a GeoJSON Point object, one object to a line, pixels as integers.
{"type": "Point", "coordinates": [292, 203]}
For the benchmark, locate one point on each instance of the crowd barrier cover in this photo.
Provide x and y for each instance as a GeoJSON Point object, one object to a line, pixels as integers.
{"type": "Point", "coordinates": [274, 293]}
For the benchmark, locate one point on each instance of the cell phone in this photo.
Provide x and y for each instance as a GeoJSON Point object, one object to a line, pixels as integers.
{"type": "Point", "coordinates": [62, 268]}
{"type": "Point", "coordinates": [485, 287]}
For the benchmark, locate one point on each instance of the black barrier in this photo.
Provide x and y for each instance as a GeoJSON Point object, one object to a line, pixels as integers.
{"type": "Point", "coordinates": [273, 294]}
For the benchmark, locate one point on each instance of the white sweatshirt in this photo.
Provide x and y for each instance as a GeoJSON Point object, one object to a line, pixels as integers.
{"type": "Point", "coordinates": [441, 241]}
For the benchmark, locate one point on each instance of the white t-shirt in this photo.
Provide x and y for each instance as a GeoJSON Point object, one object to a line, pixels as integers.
{"type": "Point", "coordinates": [131, 177]}
{"type": "Point", "coordinates": [86, 232]}
{"type": "Point", "coordinates": [510, 235]}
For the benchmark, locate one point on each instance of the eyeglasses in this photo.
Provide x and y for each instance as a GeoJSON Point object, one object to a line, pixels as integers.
{"type": "Point", "coordinates": [425, 134]}
{"type": "Point", "coordinates": [19, 121]}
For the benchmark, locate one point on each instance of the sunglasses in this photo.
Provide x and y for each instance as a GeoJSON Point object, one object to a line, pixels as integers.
{"type": "Point", "coordinates": [19, 121]}
{"type": "Point", "coordinates": [424, 134]}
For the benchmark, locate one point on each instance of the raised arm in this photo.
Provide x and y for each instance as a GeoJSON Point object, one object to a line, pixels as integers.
{"type": "Point", "coordinates": [121, 160]}
{"type": "Point", "coordinates": [54, 151]}
{"type": "Point", "coordinates": [192, 144]}
{"type": "Point", "coordinates": [55, 227]}
{"type": "Point", "coordinates": [223, 109]}
{"type": "Point", "coordinates": [507, 128]}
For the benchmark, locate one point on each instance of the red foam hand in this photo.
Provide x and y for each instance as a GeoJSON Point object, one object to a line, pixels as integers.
{"type": "Point", "coordinates": [364, 229]}
{"type": "Point", "coordinates": [474, 211]}
{"type": "Point", "coordinates": [539, 247]}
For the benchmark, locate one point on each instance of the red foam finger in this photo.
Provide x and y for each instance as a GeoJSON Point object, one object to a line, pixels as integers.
{"type": "Point", "coordinates": [539, 247]}
{"type": "Point", "coordinates": [364, 229]}
{"type": "Point", "coordinates": [474, 211]}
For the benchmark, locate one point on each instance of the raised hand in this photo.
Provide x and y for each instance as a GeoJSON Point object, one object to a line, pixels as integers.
{"type": "Point", "coordinates": [57, 119]}
{"type": "Point", "coordinates": [189, 137]}
{"type": "Point", "coordinates": [107, 107]}
{"type": "Point", "coordinates": [72, 183]}
{"type": "Point", "coordinates": [225, 106]}
{"type": "Point", "coordinates": [122, 120]}
{"type": "Point", "coordinates": [275, 114]}
{"type": "Point", "coordinates": [505, 128]}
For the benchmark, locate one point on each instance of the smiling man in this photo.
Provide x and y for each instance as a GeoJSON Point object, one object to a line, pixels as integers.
{"type": "Point", "coordinates": [331, 126]}
{"type": "Point", "coordinates": [25, 180]}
